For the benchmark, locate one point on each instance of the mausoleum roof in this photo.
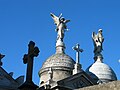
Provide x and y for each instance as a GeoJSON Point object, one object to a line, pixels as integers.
{"type": "Point", "coordinates": [58, 61]}
{"type": "Point", "coordinates": [101, 71]}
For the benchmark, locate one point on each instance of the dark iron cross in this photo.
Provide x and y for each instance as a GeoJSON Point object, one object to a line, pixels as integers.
{"type": "Point", "coordinates": [1, 56]}
{"type": "Point", "coordinates": [33, 51]}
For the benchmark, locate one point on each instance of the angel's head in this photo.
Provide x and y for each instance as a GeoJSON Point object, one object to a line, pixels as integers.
{"type": "Point", "coordinates": [100, 30]}
{"type": "Point", "coordinates": [62, 19]}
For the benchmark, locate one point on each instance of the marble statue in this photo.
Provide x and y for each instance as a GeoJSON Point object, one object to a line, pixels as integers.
{"type": "Point", "coordinates": [98, 41]}
{"type": "Point", "coordinates": [61, 27]}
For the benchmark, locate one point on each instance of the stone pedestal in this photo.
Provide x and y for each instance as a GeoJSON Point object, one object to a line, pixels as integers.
{"type": "Point", "coordinates": [77, 68]}
{"type": "Point", "coordinates": [60, 46]}
{"type": "Point", "coordinates": [28, 86]}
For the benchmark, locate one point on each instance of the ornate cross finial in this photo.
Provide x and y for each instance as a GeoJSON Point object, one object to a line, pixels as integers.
{"type": "Point", "coordinates": [33, 51]}
{"type": "Point", "coordinates": [28, 59]}
{"type": "Point", "coordinates": [1, 56]}
{"type": "Point", "coordinates": [78, 50]}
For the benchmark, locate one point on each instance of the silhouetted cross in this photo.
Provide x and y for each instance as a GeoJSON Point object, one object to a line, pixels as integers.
{"type": "Point", "coordinates": [78, 50]}
{"type": "Point", "coordinates": [1, 56]}
{"type": "Point", "coordinates": [28, 59]}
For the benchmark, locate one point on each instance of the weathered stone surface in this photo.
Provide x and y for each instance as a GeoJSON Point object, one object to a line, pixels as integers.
{"type": "Point", "coordinates": [101, 71]}
{"type": "Point", "coordinates": [59, 59]}
{"type": "Point", "coordinates": [62, 66]}
{"type": "Point", "coordinates": [78, 80]}
{"type": "Point", "coordinates": [115, 85]}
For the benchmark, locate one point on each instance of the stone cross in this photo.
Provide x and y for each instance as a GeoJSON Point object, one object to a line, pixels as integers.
{"type": "Point", "coordinates": [28, 59]}
{"type": "Point", "coordinates": [1, 56]}
{"type": "Point", "coordinates": [78, 50]}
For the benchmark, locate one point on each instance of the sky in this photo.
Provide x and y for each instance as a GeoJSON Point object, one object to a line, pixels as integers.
{"type": "Point", "coordinates": [24, 20]}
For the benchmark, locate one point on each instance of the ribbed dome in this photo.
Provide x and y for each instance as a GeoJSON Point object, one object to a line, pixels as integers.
{"type": "Point", "coordinates": [59, 60]}
{"type": "Point", "coordinates": [61, 64]}
{"type": "Point", "coordinates": [102, 72]}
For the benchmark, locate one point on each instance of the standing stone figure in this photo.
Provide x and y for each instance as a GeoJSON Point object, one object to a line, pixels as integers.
{"type": "Point", "coordinates": [98, 40]}
{"type": "Point", "coordinates": [60, 23]}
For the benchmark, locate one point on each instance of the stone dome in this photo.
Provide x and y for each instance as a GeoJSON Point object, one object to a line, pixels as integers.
{"type": "Point", "coordinates": [62, 66]}
{"type": "Point", "coordinates": [101, 72]}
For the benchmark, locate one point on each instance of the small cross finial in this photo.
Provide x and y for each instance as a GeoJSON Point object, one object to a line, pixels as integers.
{"type": "Point", "coordinates": [77, 66]}
{"type": "Point", "coordinates": [78, 50]}
{"type": "Point", "coordinates": [1, 56]}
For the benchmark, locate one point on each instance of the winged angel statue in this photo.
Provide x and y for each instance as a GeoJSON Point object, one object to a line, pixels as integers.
{"type": "Point", "coordinates": [61, 27]}
{"type": "Point", "coordinates": [98, 40]}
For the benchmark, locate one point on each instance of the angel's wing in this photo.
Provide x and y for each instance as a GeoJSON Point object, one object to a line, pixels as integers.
{"type": "Point", "coordinates": [66, 21]}
{"type": "Point", "coordinates": [55, 18]}
{"type": "Point", "coordinates": [93, 35]}
{"type": "Point", "coordinates": [100, 36]}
